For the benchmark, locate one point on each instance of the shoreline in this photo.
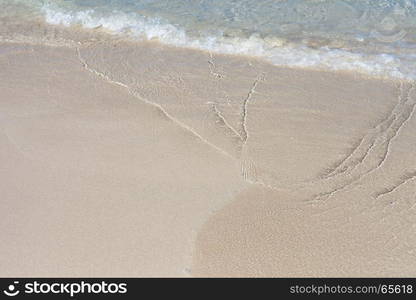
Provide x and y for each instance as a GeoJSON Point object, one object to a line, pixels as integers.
{"type": "Point", "coordinates": [139, 159]}
{"type": "Point", "coordinates": [39, 31]}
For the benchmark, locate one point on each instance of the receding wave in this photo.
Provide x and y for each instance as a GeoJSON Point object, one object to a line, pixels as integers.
{"type": "Point", "coordinates": [278, 51]}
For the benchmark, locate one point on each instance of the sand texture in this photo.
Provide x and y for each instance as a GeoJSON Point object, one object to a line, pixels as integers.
{"type": "Point", "coordinates": [136, 159]}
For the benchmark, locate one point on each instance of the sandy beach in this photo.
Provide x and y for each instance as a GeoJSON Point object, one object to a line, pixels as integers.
{"type": "Point", "coordinates": [127, 158]}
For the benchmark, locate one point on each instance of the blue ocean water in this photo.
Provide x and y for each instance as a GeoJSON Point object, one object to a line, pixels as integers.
{"type": "Point", "coordinates": [377, 37]}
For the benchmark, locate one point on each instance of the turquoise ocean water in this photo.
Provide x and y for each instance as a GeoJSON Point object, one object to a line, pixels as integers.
{"type": "Point", "coordinates": [376, 37]}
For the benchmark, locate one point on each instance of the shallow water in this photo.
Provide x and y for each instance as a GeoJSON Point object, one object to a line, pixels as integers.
{"type": "Point", "coordinates": [372, 37]}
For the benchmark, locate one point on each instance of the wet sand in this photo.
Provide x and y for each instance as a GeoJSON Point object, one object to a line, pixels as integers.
{"type": "Point", "coordinates": [136, 159]}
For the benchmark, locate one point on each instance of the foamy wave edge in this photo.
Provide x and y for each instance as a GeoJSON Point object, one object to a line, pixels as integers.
{"type": "Point", "coordinates": [271, 49]}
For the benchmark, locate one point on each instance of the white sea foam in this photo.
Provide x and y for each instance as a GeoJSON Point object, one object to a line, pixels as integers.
{"type": "Point", "coordinates": [272, 49]}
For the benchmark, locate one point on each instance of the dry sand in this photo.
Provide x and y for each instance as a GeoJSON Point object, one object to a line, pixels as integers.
{"type": "Point", "coordinates": [136, 159]}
